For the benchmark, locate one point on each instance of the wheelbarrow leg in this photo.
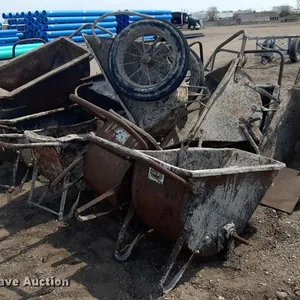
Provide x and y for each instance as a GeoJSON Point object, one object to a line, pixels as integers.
{"type": "Point", "coordinates": [75, 205]}
{"type": "Point", "coordinates": [42, 197]}
{"type": "Point", "coordinates": [63, 199]}
{"type": "Point", "coordinates": [24, 179]}
{"type": "Point", "coordinates": [175, 252]}
{"type": "Point", "coordinates": [33, 181]}
{"type": "Point", "coordinates": [15, 169]}
{"type": "Point", "coordinates": [120, 254]}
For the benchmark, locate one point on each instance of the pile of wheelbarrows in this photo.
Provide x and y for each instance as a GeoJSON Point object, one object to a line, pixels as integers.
{"type": "Point", "coordinates": [168, 143]}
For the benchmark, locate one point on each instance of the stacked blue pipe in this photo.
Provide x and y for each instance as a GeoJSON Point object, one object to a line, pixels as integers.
{"type": "Point", "coordinates": [8, 37]}
{"type": "Point", "coordinates": [53, 24]}
{"type": "Point", "coordinates": [50, 25]}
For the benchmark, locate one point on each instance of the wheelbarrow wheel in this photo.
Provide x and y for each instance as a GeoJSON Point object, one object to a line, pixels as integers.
{"type": "Point", "coordinates": [268, 57]}
{"type": "Point", "coordinates": [148, 71]}
{"type": "Point", "coordinates": [294, 50]}
{"type": "Point", "coordinates": [196, 73]}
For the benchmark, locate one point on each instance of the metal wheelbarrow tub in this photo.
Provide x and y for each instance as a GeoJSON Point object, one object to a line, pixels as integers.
{"type": "Point", "coordinates": [52, 118]}
{"type": "Point", "coordinates": [56, 122]}
{"type": "Point", "coordinates": [52, 161]}
{"type": "Point", "coordinates": [228, 184]}
{"type": "Point", "coordinates": [43, 78]}
{"type": "Point", "coordinates": [226, 187]}
{"type": "Point", "coordinates": [200, 198]}
{"type": "Point", "coordinates": [219, 120]}
{"type": "Point", "coordinates": [103, 171]}
{"type": "Point", "coordinates": [281, 136]}
{"type": "Point", "coordinates": [98, 91]}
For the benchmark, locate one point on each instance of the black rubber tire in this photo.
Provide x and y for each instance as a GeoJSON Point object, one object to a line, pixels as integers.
{"type": "Point", "coordinates": [192, 27]}
{"type": "Point", "coordinates": [267, 58]}
{"type": "Point", "coordinates": [294, 50]}
{"type": "Point", "coordinates": [168, 84]}
{"type": "Point", "coordinates": [197, 72]}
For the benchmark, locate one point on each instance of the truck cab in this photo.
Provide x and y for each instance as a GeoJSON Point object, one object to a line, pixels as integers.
{"type": "Point", "coordinates": [180, 19]}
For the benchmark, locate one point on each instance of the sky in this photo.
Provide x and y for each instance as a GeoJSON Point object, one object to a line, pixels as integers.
{"type": "Point", "coordinates": [174, 5]}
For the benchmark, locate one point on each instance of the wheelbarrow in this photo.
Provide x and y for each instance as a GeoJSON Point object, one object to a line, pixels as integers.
{"type": "Point", "coordinates": [114, 175]}
{"type": "Point", "coordinates": [42, 79]}
{"type": "Point", "coordinates": [146, 75]}
{"type": "Point", "coordinates": [57, 118]}
{"type": "Point", "coordinates": [50, 162]}
{"type": "Point", "coordinates": [282, 135]}
{"type": "Point", "coordinates": [200, 198]}
{"type": "Point", "coordinates": [237, 112]}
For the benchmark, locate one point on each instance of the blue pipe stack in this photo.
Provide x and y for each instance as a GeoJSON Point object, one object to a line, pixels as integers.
{"type": "Point", "coordinates": [9, 37]}
{"type": "Point", "coordinates": [50, 25]}
{"type": "Point", "coordinates": [54, 24]}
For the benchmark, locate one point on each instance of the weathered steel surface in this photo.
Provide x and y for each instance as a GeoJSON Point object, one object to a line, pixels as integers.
{"type": "Point", "coordinates": [100, 47]}
{"type": "Point", "coordinates": [158, 117]}
{"type": "Point", "coordinates": [43, 78]}
{"type": "Point", "coordinates": [281, 136]}
{"type": "Point", "coordinates": [60, 120]}
{"type": "Point", "coordinates": [102, 169]}
{"type": "Point", "coordinates": [47, 119]}
{"type": "Point", "coordinates": [228, 184]}
{"type": "Point", "coordinates": [219, 120]}
{"type": "Point", "coordinates": [284, 192]}
{"type": "Point", "coordinates": [51, 161]}
{"type": "Point", "coordinates": [98, 91]}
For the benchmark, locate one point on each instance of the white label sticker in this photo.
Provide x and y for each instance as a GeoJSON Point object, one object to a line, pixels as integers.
{"type": "Point", "coordinates": [156, 176]}
{"type": "Point", "coordinates": [121, 135]}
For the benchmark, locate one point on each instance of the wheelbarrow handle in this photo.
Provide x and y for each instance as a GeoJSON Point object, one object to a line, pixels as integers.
{"type": "Point", "coordinates": [100, 113]}
{"type": "Point", "coordinates": [20, 42]}
{"type": "Point", "coordinates": [271, 51]}
{"type": "Point", "coordinates": [90, 25]}
{"type": "Point", "coordinates": [109, 146]}
{"type": "Point", "coordinates": [211, 60]}
{"type": "Point", "coordinates": [127, 153]}
{"type": "Point", "coordinates": [116, 13]}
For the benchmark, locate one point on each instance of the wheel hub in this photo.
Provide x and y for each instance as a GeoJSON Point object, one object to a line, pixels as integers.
{"type": "Point", "coordinates": [146, 58]}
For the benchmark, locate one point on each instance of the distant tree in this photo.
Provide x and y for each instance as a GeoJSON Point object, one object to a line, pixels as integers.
{"type": "Point", "coordinates": [285, 11]}
{"type": "Point", "coordinates": [212, 13]}
{"type": "Point", "coordinates": [298, 4]}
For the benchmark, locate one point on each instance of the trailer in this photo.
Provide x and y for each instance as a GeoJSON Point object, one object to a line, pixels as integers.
{"type": "Point", "coordinates": [288, 45]}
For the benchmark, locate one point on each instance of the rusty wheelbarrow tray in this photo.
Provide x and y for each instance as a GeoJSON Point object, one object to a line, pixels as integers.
{"type": "Point", "coordinates": [237, 112]}
{"type": "Point", "coordinates": [59, 118]}
{"type": "Point", "coordinates": [282, 135]}
{"type": "Point", "coordinates": [51, 162]}
{"type": "Point", "coordinates": [43, 78]}
{"type": "Point", "coordinates": [200, 198]}
{"type": "Point", "coordinates": [104, 172]}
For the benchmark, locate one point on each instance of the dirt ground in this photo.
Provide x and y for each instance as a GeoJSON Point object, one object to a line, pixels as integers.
{"type": "Point", "coordinates": [34, 244]}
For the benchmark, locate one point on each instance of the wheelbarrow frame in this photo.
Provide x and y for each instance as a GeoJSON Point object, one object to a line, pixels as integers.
{"type": "Point", "coordinates": [68, 74]}
{"type": "Point", "coordinates": [10, 129]}
{"type": "Point", "coordinates": [228, 232]}
{"type": "Point", "coordinates": [248, 133]}
{"type": "Point", "coordinates": [289, 48]}
{"type": "Point", "coordinates": [107, 184]}
{"type": "Point", "coordinates": [41, 158]}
